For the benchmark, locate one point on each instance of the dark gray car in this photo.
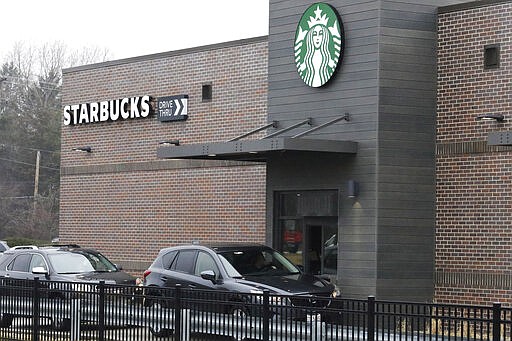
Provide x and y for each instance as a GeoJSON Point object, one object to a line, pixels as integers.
{"type": "Point", "coordinates": [240, 269]}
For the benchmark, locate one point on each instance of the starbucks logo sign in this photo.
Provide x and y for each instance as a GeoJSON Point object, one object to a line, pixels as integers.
{"type": "Point", "coordinates": [318, 44]}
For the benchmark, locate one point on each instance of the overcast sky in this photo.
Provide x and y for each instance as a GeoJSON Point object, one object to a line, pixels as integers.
{"type": "Point", "coordinates": [129, 28]}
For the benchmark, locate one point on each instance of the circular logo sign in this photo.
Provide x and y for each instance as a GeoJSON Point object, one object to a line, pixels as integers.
{"type": "Point", "coordinates": [318, 44]}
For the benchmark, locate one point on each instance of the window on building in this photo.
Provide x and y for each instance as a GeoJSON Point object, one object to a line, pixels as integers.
{"type": "Point", "coordinates": [207, 92]}
{"type": "Point", "coordinates": [492, 56]}
{"type": "Point", "coordinates": [306, 229]}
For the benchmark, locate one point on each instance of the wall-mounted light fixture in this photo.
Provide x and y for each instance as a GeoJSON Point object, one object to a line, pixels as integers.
{"type": "Point", "coordinates": [489, 117]}
{"type": "Point", "coordinates": [173, 142]}
{"type": "Point", "coordinates": [86, 149]}
{"type": "Point", "coordinates": [352, 189]}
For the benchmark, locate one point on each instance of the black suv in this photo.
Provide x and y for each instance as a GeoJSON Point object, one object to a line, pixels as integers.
{"type": "Point", "coordinates": [242, 269]}
{"type": "Point", "coordinates": [69, 263]}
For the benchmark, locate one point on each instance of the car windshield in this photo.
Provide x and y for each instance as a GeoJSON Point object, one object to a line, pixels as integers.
{"type": "Point", "coordinates": [74, 262]}
{"type": "Point", "coordinates": [257, 262]}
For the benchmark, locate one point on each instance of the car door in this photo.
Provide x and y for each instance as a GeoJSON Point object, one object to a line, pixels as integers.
{"type": "Point", "coordinates": [214, 301]}
{"type": "Point", "coordinates": [181, 270]}
{"type": "Point", "coordinates": [205, 262]}
{"type": "Point", "coordinates": [16, 273]}
{"type": "Point", "coordinates": [18, 267]}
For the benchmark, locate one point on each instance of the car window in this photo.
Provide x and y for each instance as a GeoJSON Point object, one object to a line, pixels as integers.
{"type": "Point", "coordinates": [168, 258]}
{"type": "Point", "coordinates": [231, 271]}
{"type": "Point", "coordinates": [37, 261]}
{"type": "Point", "coordinates": [20, 263]}
{"type": "Point", "coordinates": [259, 261]}
{"type": "Point", "coordinates": [70, 263]}
{"type": "Point", "coordinates": [205, 262]}
{"type": "Point", "coordinates": [99, 262]}
{"type": "Point", "coordinates": [185, 261]}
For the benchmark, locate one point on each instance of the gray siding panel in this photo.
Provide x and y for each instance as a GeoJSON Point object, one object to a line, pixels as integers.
{"type": "Point", "coordinates": [354, 90]}
{"type": "Point", "coordinates": [406, 206]}
{"type": "Point", "coordinates": [387, 82]}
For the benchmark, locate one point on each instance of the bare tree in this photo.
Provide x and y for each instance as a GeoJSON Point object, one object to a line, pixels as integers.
{"type": "Point", "coordinates": [30, 107]}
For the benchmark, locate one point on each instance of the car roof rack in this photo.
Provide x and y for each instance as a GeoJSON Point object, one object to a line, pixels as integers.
{"type": "Point", "coordinates": [24, 247]}
{"type": "Point", "coordinates": [64, 246]}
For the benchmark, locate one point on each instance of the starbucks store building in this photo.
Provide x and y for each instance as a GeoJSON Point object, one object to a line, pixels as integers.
{"type": "Point", "coordinates": [353, 139]}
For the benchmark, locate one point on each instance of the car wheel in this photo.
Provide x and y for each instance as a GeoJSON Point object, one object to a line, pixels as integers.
{"type": "Point", "coordinates": [6, 320]}
{"type": "Point", "coordinates": [160, 332]}
{"type": "Point", "coordinates": [62, 324]}
{"type": "Point", "coordinates": [239, 311]}
{"type": "Point", "coordinates": [156, 330]}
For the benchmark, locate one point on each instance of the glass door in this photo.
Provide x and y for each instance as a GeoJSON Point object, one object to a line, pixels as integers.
{"type": "Point", "coordinates": [322, 245]}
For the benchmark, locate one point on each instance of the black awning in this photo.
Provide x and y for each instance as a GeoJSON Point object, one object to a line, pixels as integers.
{"type": "Point", "coordinates": [255, 150]}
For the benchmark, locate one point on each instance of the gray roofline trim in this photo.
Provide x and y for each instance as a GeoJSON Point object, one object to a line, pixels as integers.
{"type": "Point", "coordinates": [255, 150]}
{"type": "Point", "coordinates": [210, 47]}
{"type": "Point", "coordinates": [470, 5]}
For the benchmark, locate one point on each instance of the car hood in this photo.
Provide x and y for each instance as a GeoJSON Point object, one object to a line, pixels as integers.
{"type": "Point", "coordinates": [117, 277]}
{"type": "Point", "coordinates": [290, 284]}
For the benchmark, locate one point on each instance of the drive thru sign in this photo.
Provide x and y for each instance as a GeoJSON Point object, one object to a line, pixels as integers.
{"type": "Point", "coordinates": [172, 108]}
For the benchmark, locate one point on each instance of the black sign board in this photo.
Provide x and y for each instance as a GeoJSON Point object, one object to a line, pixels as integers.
{"type": "Point", "coordinates": [172, 108]}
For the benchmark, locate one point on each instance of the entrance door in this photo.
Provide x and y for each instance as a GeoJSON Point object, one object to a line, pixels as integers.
{"type": "Point", "coordinates": [306, 229]}
{"type": "Point", "coordinates": [321, 239]}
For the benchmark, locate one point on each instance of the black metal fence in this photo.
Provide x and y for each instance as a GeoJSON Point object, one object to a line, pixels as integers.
{"type": "Point", "coordinates": [44, 310]}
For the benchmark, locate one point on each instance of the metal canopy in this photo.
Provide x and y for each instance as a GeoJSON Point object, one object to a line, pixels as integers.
{"type": "Point", "coordinates": [255, 150]}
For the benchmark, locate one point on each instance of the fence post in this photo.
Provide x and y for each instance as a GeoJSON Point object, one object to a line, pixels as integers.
{"type": "Point", "coordinates": [496, 321]}
{"type": "Point", "coordinates": [36, 298]}
{"type": "Point", "coordinates": [266, 315]}
{"type": "Point", "coordinates": [177, 314]}
{"type": "Point", "coordinates": [75, 319]}
{"type": "Point", "coordinates": [101, 311]}
{"type": "Point", "coordinates": [371, 318]}
{"type": "Point", "coordinates": [185, 325]}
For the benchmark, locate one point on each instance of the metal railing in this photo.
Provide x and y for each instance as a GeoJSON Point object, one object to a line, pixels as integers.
{"type": "Point", "coordinates": [44, 310]}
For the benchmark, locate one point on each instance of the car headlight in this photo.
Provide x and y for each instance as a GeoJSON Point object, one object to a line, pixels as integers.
{"type": "Point", "coordinates": [336, 292]}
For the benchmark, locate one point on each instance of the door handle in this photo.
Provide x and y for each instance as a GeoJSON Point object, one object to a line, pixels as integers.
{"type": "Point", "coordinates": [192, 286]}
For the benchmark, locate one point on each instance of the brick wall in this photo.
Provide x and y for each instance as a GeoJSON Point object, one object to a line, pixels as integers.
{"type": "Point", "coordinates": [474, 180]}
{"type": "Point", "coordinates": [127, 203]}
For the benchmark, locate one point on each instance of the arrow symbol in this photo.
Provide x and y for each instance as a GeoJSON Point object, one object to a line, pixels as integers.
{"type": "Point", "coordinates": [184, 101]}
{"type": "Point", "coordinates": [178, 107]}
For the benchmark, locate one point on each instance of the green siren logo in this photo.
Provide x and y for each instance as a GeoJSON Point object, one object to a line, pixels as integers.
{"type": "Point", "coordinates": [318, 44]}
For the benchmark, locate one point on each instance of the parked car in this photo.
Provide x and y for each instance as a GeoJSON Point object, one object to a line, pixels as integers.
{"type": "Point", "coordinates": [61, 263]}
{"type": "Point", "coordinates": [56, 264]}
{"type": "Point", "coordinates": [244, 270]}
{"type": "Point", "coordinates": [3, 246]}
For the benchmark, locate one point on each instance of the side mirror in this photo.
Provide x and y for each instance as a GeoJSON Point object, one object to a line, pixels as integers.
{"type": "Point", "coordinates": [300, 267]}
{"type": "Point", "coordinates": [209, 275]}
{"type": "Point", "coordinates": [118, 267]}
{"type": "Point", "coordinates": [39, 270]}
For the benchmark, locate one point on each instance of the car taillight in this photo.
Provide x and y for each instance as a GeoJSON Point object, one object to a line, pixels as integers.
{"type": "Point", "coordinates": [146, 273]}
